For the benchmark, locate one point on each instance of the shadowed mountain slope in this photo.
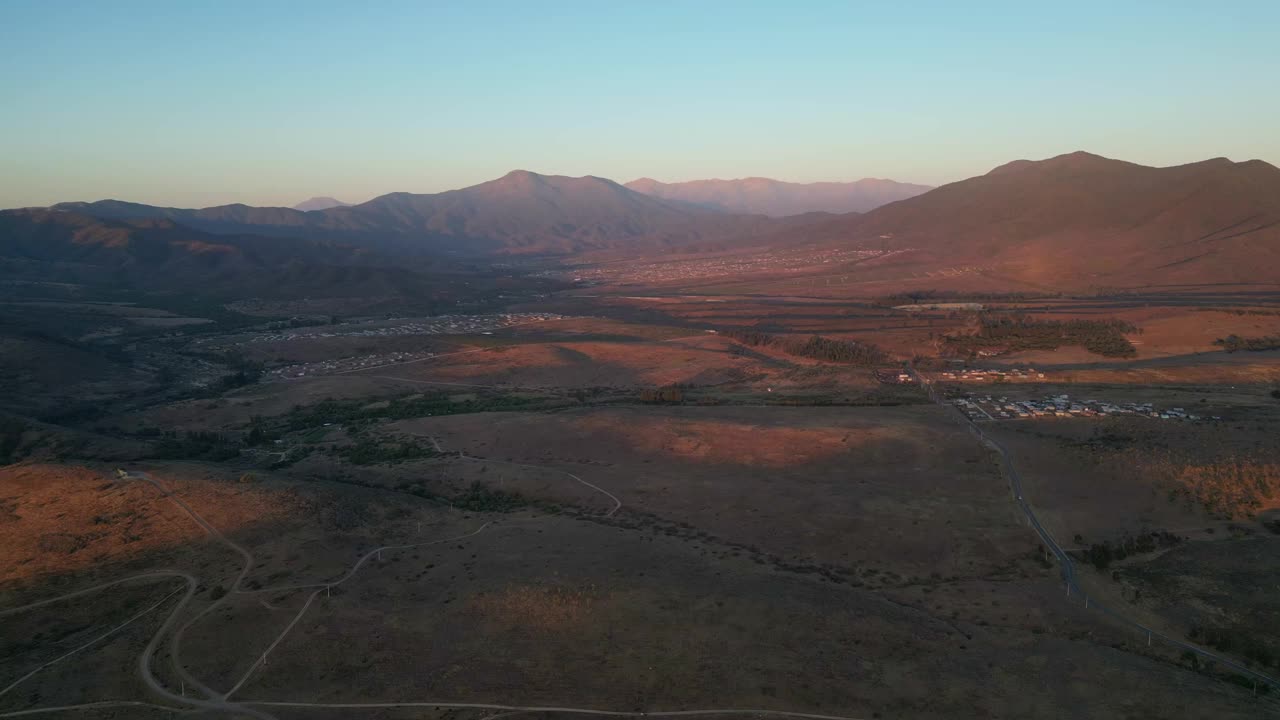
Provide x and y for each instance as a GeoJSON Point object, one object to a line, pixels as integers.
{"type": "Point", "coordinates": [63, 246]}
{"type": "Point", "coordinates": [521, 212]}
{"type": "Point", "coordinates": [1084, 219]}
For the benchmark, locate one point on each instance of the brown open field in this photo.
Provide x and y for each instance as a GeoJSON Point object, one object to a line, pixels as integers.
{"type": "Point", "coordinates": [785, 534]}
{"type": "Point", "coordinates": [66, 519]}
{"type": "Point", "coordinates": [796, 483]}
{"type": "Point", "coordinates": [556, 609]}
{"type": "Point", "coordinates": [694, 360]}
{"type": "Point", "coordinates": [574, 610]}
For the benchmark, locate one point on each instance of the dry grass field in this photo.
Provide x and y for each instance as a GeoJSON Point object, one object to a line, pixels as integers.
{"type": "Point", "coordinates": [776, 532]}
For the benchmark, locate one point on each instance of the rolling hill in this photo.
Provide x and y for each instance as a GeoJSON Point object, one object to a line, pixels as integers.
{"type": "Point", "coordinates": [1081, 219]}
{"type": "Point", "coordinates": [159, 254]}
{"type": "Point", "coordinates": [777, 199]}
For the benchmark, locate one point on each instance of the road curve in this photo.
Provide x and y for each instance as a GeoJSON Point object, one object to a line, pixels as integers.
{"type": "Point", "coordinates": [175, 640]}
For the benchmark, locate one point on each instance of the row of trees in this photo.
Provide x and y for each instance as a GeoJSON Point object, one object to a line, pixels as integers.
{"type": "Point", "coordinates": [929, 297]}
{"type": "Point", "coordinates": [1020, 332]}
{"type": "Point", "coordinates": [815, 347]}
{"type": "Point", "coordinates": [367, 450]}
{"type": "Point", "coordinates": [662, 395]}
{"type": "Point", "coordinates": [1233, 343]}
{"type": "Point", "coordinates": [355, 412]}
{"type": "Point", "coordinates": [1245, 641]}
{"type": "Point", "coordinates": [197, 445]}
{"type": "Point", "coordinates": [1102, 554]}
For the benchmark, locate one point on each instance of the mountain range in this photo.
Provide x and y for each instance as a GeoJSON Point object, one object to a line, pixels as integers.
{"type": "Point", "coordinates": [1071, 220]}
{"type": "Point", "coordinates": [521, 212]}
{"type": "Point", "coordinates": [777, 199]}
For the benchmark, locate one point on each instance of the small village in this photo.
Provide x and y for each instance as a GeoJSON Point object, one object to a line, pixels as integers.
{"type": "Point", "coordinates": [991, 375]}
{"type": "Point", "coordinates": [985, 408]}
{"type": "Point", "coordinates": [342, 365]}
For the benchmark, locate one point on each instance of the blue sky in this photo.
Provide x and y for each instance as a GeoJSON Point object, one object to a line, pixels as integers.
{"type": "Point", "coordinates": [192, 103]}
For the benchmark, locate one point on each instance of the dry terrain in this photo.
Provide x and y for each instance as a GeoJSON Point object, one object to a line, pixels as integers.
{"type": "Point", "coordinates": [628, 508]}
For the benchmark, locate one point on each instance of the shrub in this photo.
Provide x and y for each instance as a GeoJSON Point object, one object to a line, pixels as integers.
{"type": "Point", "coordinates": [1234, 343]}
{"type": "Point", "coordinates": [11, 432]}
{"type": "Point", "coordinates": [481, 498]}
{"type": "Point", "coordinates": [367, 451]}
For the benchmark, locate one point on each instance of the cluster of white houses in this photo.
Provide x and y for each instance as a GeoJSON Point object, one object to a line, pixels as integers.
{"type": "Point", "coordinates": [987, 407]}
{"type": "Point", "coordinates": [979, 375]}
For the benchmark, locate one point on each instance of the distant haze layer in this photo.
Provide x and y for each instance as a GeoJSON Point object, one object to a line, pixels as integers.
{"type": "Point", "coordinates": [776, 198]}
{"type": "Point", "coordinates": [320, 203]}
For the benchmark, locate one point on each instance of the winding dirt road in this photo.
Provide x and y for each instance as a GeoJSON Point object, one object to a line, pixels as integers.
{"type": "Point", "coordinates": [220, 702]}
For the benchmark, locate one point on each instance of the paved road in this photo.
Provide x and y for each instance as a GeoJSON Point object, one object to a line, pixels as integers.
{"type": "Point", "coordinates": [1065, 562]}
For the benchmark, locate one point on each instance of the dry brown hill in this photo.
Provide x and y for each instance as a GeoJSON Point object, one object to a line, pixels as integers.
{"type": "Point", "coordinates": [1081, 219]}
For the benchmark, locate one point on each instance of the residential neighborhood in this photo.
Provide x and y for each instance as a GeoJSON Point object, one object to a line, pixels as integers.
{"type": "Point", "coordinates": [985, 408]}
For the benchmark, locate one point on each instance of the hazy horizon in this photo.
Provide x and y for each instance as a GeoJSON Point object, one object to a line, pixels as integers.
{"type": "Point", "coordinates": [256, 103]}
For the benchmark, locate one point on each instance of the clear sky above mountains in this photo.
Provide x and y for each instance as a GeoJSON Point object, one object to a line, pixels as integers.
{"type": "Point", "coordinates": [195, 104]}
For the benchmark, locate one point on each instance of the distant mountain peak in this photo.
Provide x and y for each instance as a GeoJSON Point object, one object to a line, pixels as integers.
{"type": "Point", "coordinates": [1078, 161]}
{"type": "Point", "coordinates": [520, 175]}
{"type": "Point", "coordinates": [521, 179]}
{"type": "Point", "coordinates": [320, 202]}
